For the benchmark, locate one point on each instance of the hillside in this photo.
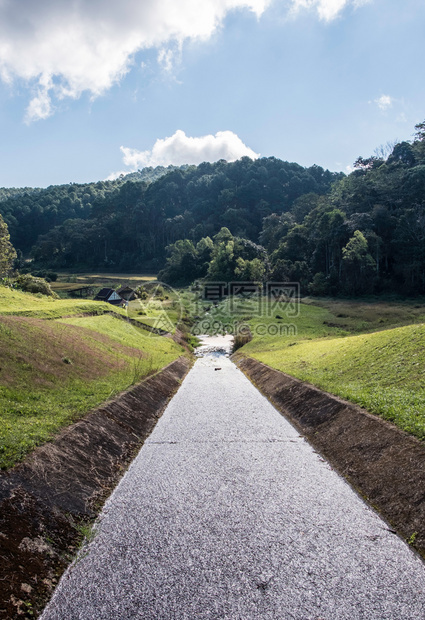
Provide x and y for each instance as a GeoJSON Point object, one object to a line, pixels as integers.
{"type": "Point", "coordinates": [383, 371]}
{"type": "Point", "coordinates": [334, 234]}
{"type": "Point", "coordinates": [125, 223]}
{"type": "Point", "coordinates": [17, 303]}
{"type": "Point", "coordinates": [30, 211]}
{"type": "Point", "coordinates": [365, 236]}
{"type": "Point", "coordinates": [54, 370]}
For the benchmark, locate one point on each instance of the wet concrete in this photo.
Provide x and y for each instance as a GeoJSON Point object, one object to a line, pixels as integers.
{"type": "Point", "coordinates": [384, 464]}
{"type": "Point", "coordinates": [64, 482]}
{"type": "Point", "coordinates": [228, 513]}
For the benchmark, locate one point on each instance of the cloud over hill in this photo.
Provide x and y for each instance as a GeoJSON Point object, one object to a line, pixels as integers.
{"type": "Point", "coordinates": [180, 149]}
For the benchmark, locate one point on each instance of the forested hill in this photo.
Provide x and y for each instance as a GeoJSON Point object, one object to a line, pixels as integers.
{"type": "Point", "coordinates": [33, 211]}
{"type": "Point", "coordinates": [128, 222]}
{"type": "Point", "coordinates": [355, 234]}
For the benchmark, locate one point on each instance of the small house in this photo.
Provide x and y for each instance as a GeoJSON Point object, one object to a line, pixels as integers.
{"type": "Point", "coordinates": [110, 296]}
{"type": "Point", "coordinates": [127, 293]}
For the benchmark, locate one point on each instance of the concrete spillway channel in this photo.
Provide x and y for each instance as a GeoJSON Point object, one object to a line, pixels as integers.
{"type": "Point", "coordinates": [228, 513]}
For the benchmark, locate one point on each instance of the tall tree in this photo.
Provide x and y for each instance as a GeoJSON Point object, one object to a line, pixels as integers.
{"type": "Point", "coordinates": [7, 251]}
{"type": "Point", "coordinates": [358, 265]}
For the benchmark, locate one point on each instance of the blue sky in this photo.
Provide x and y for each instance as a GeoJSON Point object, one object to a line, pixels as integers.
{"type": "Point", "coordinates": [92, 88]}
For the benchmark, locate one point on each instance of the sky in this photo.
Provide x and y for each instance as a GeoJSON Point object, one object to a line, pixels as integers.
{"type": "Point", "coordinates": [90, 89]}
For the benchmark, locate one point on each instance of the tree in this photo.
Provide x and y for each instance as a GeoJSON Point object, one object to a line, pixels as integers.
{"type": "Point", "coordinates": [368, 163]}
{"type": "Point", "coordinates": [358, 265]}
{"type": "Point", "coordinates": [250, 270]}
{"type": "Point", "coordinates": [7, 251]}
{"type": "Point", "coordinates": [420, 131]}
{"type": "Point", "coordinates": [222, 265]}
{"type": "Point", "coordinates": [328, 233]}
{"type": "Point", "coordinates": [204, 249]}
{"type": "Point", "coordinates": [403, 154]}
{"type": "Point", "coordinates": [181, 267]}
{"type": "Point", "coordinates": [274, 228]}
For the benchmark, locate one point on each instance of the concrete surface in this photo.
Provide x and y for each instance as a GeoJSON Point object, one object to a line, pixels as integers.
{"type": "Point", "coordinates": [228, 513]}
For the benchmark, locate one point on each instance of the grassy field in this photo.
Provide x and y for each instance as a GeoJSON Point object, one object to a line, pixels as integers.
{"type": "Point", "coordinates": [54, 371]}
{"type": "Point", "coordinates": [164, 312]}
{"type": "Point", "coordinates": [67, 282]}
{"type": "Point", "coordinates": [355, 350]}
{"type": "Point", "coordinates": [105, 277]}
{"type": "Point", "coordinates": [16, 303]}
{"type": "Point", "coordinates": [371, 353]}
{"type": "Point", "coordinates": [317, 318]}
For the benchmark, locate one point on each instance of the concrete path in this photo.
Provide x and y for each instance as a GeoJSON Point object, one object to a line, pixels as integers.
{"type": "Point", "coordinates": [227, 513]}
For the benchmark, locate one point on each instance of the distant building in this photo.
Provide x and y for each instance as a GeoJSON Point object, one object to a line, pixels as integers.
{"type": "Point", "coordinates": [127, 293]}
{"type": "Point", "coordinates": [110, 296]}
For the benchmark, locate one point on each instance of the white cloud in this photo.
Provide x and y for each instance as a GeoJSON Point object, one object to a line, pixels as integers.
{"type": "Point", "coordinates": [115, 175]}
{"type": "Point", "coordinates": [180, 149]}
{"type": "Point", "coordinates": [168, 58]}
{"type": "Point", "coordinates": [384, 102]}
{"type": "Point", "coordinates": [40, 106]}
{"type": "Point", "coordinates": [67, 47]}
{"type": "Point", "coordinates": [89, 45]}
{"type": "Point", "coordinates": [327, 10]}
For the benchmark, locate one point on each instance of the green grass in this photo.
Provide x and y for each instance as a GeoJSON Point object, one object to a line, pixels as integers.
{"type": "Point", "coordinates": [382, 371]}
{"type": "Point", "coordinates": [126, 334]}
{"type": "Point", "coordinates": [17, 303]}
{"type": "Point", "coordinates": [368, 352]}
{"type": "Point", "coordinates": [317, 318]}
{"type": "Point", "coordinates": [104, 278]}
{"type": "Point", "coordinates": [54, 372]}
{"type": "Point", "coordinates": [164, 312]}
{"type": "Point", "coordinates": [68, 282]}
{"type": "Point", "coordinates": [335, 318]}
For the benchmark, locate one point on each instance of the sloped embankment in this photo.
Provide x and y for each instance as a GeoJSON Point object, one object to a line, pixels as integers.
{"type": "Point", "coordinates": [385, 464]}
{"type": "Point", "coordinates": [44, 499]}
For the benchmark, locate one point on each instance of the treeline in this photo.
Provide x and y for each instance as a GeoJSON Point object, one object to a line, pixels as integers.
{"type": "Point", "coordinates": [127, 224]}
{"type": "Point", "coordinates": [31, 212]}
{"type": "Point", "coordinates": [366, 235]}
{"type": "Point", "coordinates": [224, 258]}
{"type": "Point", "coordinates": [354, 234]}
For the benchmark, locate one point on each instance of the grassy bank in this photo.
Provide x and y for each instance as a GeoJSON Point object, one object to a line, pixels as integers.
{"type": "Point", "coordinates": [17, 303]}
{"type": "Point", "coordinates": [382, 371]}
{"type": "Point", "coordinates": [53, 372]}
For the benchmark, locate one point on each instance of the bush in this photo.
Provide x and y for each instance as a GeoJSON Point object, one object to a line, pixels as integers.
{"type": "Point", "coordinates": [142, 293]}
{"type": "Point", "coordinates": [241, 339]}
{"type": "Point", "coordinates": [31, 284]}
{"type": "Point", "coordinates": [52, 276]}
{"type": "Point", "coordinates": [320, 285]}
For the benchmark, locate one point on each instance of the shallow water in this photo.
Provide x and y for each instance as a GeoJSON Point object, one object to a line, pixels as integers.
{"type": "Point", "coordinates": [214, 344]}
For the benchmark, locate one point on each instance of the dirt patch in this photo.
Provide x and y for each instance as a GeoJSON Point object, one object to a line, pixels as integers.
{"type": "Point", "coordinates": [384, 464]}
{"type": "Point", "coordinates": [44, 500]}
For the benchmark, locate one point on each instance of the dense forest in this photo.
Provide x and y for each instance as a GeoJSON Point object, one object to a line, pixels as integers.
{"type": "Point", "coordinates": [126, 223]}
{"type": "Point", "coordinates": [31, 212]}
{"type": "Point", "coordinates": [267, 218]}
